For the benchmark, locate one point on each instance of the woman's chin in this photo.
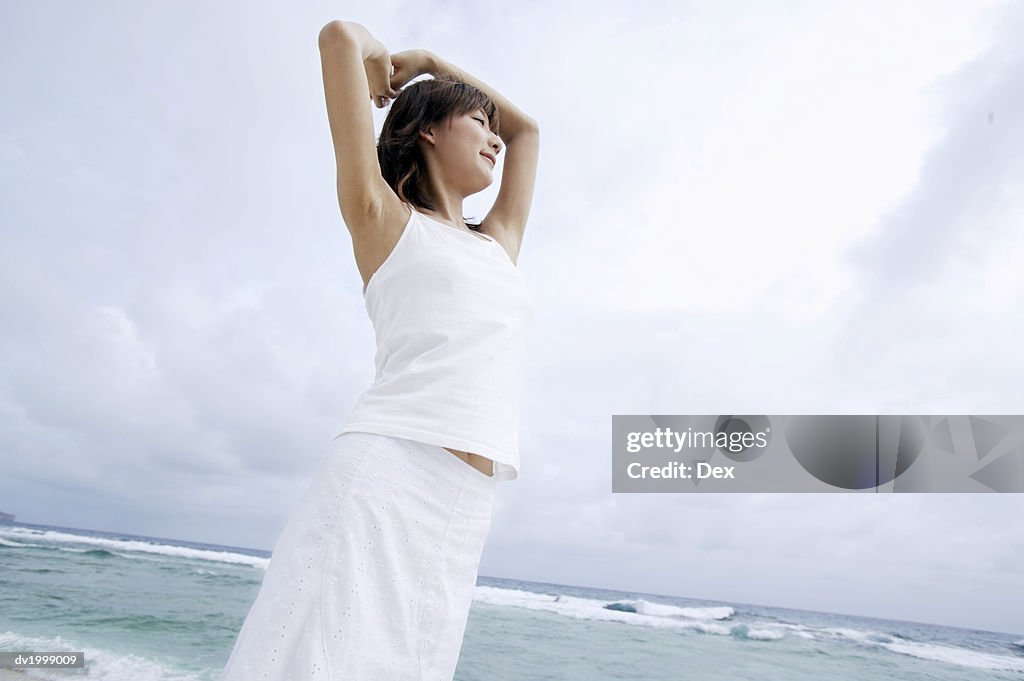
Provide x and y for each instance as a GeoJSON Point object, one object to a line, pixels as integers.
{"type": "Point", "coordinates": [487, 182]}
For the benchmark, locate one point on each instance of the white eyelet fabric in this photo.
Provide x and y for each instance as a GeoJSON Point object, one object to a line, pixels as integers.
{"type": "Point", "coordinates": [373, 575]}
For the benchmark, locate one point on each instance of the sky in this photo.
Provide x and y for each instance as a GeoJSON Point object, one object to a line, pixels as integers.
{"type": "Point", "coordinates": [801, 208]}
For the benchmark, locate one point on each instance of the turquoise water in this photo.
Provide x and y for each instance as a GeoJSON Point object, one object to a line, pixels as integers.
{"type": "Point", "coordinates": [149, 609]}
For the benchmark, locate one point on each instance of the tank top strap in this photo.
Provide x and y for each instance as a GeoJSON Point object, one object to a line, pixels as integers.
{"type": "Point", "coordinates": [474, 234]}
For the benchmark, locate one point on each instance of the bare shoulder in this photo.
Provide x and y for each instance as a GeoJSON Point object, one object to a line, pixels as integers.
{"type": "Point", "coordinates": [375, 233]}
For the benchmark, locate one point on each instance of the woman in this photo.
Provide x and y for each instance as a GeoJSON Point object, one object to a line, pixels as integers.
{"type": "Point", "coordinates": [373, 575]}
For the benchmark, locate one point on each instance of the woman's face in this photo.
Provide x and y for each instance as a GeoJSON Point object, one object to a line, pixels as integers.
{"type": "Point", "coordinates": [460, 150]}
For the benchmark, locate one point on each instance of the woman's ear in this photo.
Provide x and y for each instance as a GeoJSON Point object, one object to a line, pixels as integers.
{"type": "Point", "coordinates": [428, 135]}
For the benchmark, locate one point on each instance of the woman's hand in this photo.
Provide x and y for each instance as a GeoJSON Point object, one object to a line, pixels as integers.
{"type": "Point", "coordinates": [410, 64]}
{"type": "Point", "coordinates": [378, 73]}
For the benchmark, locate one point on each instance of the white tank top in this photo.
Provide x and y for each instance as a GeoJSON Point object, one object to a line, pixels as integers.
{"type": "Point", "coordinates": [450, 314]}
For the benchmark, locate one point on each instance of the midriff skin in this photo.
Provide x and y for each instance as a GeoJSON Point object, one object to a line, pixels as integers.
{"type": "Point", "coordinates": [481, 463]}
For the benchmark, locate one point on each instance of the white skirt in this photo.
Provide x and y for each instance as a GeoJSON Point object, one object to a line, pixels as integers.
{"type": "Point", "coordinates": [373, 575]}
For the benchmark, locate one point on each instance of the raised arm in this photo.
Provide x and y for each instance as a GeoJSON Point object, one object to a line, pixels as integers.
{"type": "Point", "coordinates": [521, 136]}
{"type": "Point", "coordinates": [355, 66]}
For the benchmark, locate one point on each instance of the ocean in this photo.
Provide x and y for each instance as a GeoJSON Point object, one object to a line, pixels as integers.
{"type": "Point", "coordinates": [154, 609]}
